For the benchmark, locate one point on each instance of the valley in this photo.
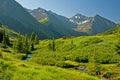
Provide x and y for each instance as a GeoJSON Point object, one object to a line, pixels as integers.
{"type": "Point", "coordinates": [56, 59]}
{"type": "Point", "coordinates": [38, 44]}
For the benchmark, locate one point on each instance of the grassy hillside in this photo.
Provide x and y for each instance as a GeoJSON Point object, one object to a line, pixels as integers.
{"type": "Point", "coordinates": [79, 50]}
{"type": "Point", "coordinates": [61, 59]}
{"type": "Point", "coordinates": [73, 52]}
{"type": "Point", "coordinates": [13, 68]}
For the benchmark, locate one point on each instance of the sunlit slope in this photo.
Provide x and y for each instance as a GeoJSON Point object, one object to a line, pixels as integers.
{"type": "Point", "coordinates": [11, 67]}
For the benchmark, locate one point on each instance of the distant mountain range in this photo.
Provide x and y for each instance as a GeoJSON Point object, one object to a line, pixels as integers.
{"type": "Point", "coordinates": [92, 25]}
{"type": "Point", "coordinates": [48, 24]}
{"type": "Point", "coordinates": [79, 22]}
{"type": "Point", "coordinates": [58, 24]}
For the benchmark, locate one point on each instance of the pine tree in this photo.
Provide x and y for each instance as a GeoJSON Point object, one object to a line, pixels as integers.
{"type": "Point", "coordinates": [18, 45]}
{"type": "Point", "coordinates": [1, 36]}
{"type": "Point", "coordinates": [25, 44]}
{"type": "Point", "coordinates": [32, 37]}
{"type": "Point", "coordinates": [5, 38]}
{"type": "Point", "coordinates": [32, 41]}
{"type": "Point", "coordinates": [4, 41]}
{"type": "Point", "coordinates": [53, 45]}
{"type": "Point", "coordinates": [36, 39]}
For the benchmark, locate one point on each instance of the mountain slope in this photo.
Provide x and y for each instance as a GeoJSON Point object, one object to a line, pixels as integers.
{"type": "Point", "coordinates": [58, 24]}
{"type": "Point", "coordinates": [77, 25]}
{"type": "Point", "coordinates": [11, 32]}
{"type": "Point", "coordinates": [92, 25]}
{"type": "Point", "coordinates": [16, 17]}
{"type": "Point", "coordinates": [101, 24]}
{"type": "Point", "coordinates": [78, 19]}
{"type": "Point", "coordinates": [113, 31]}
{"type": "Point", "coordinates": [50, 24]}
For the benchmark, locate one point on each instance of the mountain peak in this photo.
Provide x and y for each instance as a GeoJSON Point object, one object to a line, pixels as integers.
{"type": "Point", "coordinates": [78, 18]}
{"type": "Point", "coordinates": [40, 10]}
{"type": "Point", "coordinates": [78, 15]}
{"type": "Point", "coordinates": [96, 24]}
{"type": "Point", "coordinates": [97, 15]}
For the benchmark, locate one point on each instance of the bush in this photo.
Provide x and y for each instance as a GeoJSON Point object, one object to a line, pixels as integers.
{"type": "Point", "coordinates": [67, 64]}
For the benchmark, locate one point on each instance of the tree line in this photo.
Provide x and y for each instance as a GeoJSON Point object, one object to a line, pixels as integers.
{"type": "Point", "coordinates": [4, 38]}
{"type": "Point", "coordinates": [24, 44]}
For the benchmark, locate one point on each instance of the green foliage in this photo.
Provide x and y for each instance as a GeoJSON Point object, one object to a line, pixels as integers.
{"type": "Point", "coordinates": [118, 45]}
{"type": "Point", "coordinates": [93, 67]}
{"type": "Point", "coordinates": [77, 49]}
{"type": "Point", "coordinates": [4, 38]}
{"type": "Point", "coordinates": [21, 44]}
{"type": "Point", "coordinates": [36, 39]}
{"type": "Point", "coordinates": [4, 41]}
{"type": "Point", "coordinates": [32, 41]}
{"type": "Point", "coordinates": [90, 51]}
{"type": "Point", "coordinates": [2, 33]}
{"type": "Point", "coordinates": [44, 20]}
{"type": "Point", "coordinates": [24, 44]}
{"type": "Point", "coordinates": [51, 45]}
{"type": "Point", "coordinates": [21, 21]}
{"type": "Point", "coordinates": [18, 44]}
{"type": "Point", "coordinates": [19, 70]}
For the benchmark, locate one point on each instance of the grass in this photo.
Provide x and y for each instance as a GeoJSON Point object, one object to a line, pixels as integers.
{"type": "Point", "coordinates": [46, 64]}
{"type": "Point", "coordinates": [23, 70]}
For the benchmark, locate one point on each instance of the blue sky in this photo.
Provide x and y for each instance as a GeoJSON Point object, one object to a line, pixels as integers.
{"type": "Point", "coordinates": [107, 8]}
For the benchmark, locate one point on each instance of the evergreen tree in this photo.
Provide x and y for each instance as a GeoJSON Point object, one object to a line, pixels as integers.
{"type": "Point", "coordinates": [32, 41]}
{"type": "Point", "coordinates": [4, 40]}
{"type": "Point", "coordinates": [21, 44]}
{"type": "Point", "coordinates": [7, 39]}
{"type": "Point", "coordinates": [25, 44]}
{"type": "Point", "coordinates": [32, 37]}
{"type": "Point", "coordinates": [1, 35]}
{"type": "Point", "coordinates": [53, 45]}
{"type": "Point", "coordinates": [36, 39]}
{"type": "Point", "coordinates": [18, 45]}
